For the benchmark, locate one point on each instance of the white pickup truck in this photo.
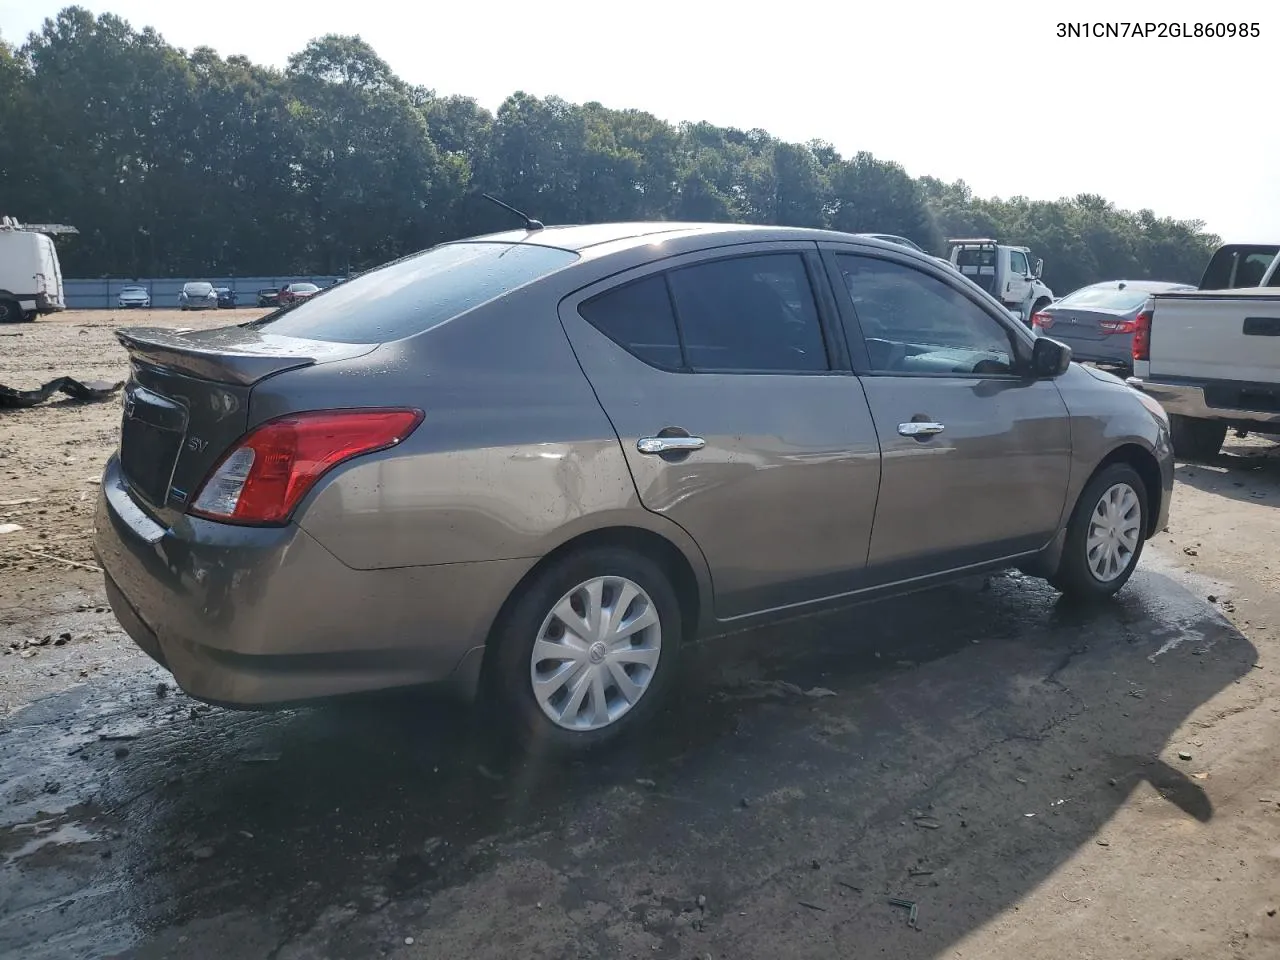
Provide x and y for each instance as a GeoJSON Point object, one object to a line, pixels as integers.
{"type": "Point", "coordinates": [1211, 357]}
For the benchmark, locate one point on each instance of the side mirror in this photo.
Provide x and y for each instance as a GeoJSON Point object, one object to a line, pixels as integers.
{"type": "Point", "coordinates": [1039, 268]}
{"type": "Point", "coordinates": [1049, 358]}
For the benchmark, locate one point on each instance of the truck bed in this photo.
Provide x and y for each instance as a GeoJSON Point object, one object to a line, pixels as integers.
{"type": "Point", "coordinates": [1230, 335]}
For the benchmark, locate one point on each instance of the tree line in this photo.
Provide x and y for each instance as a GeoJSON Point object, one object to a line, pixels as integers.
{"type": "Point", "coordinates": [181, 164]}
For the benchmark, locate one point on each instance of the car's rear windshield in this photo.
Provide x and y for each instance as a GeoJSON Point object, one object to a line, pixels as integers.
{"type": "Point", "coordinates": [415, 294]}
{"type": "Point", "coordinates": [304, 288]}
{"type": "Point", "coordinates": [198, 287]}
{"type": "Point", "coordinates": [1105, 298]}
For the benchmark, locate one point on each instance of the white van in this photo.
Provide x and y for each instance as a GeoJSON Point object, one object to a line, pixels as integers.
{"type": "Point", "coordinates": [30, 275]}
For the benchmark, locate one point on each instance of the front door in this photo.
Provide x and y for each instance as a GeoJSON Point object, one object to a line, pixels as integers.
{"type": "Point", "coordinates": [976, 458]}
{"type": "Point", "coordinates": [1017, 280]}
{"type": "Point", "coordinates": [739, 418]}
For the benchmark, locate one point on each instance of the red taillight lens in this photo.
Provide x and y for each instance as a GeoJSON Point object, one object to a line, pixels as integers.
{"type": "Point", "coordinates": [1041, 321]}
{"type": "Point", "coordinates": [1118, 326]}
{"type": "Point", "coordinates": [1142, 336]}
{"type": "Point", "coordinates": [266, 474]}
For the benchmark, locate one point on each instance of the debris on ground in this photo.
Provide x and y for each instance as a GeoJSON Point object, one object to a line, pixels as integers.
{"type": "Point", "coordinates": [1184, 755]}
{"type": "Point", "coordinates": [910, 905]}
{"type": "Point", "coordinates": [928, 823]}
{"type": "Point", "coordinates": [10, 527]}
{"type": "Point", "coordinates": [811, 906]}
{"type": "Point", "coordinates": [86, 391]}
{"type": "Point", "coordinates": [201, 853]}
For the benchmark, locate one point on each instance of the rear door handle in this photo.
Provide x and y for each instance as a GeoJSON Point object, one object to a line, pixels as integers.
{"type": "Point", "coordinates": [920, 429]}
{"type": "Point", "coordinates": [661, 445]}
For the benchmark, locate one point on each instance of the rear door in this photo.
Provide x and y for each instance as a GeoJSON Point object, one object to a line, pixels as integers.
{"type": "Point", "coordinates": [976, 458]}
{"type": "Point", "coordinates": [726, 379]}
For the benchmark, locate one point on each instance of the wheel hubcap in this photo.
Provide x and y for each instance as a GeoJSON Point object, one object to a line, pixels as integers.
{"type": "Point", "coordinates": [1115, 529]}
{"type": "Point", "coordinates": [596, 653]}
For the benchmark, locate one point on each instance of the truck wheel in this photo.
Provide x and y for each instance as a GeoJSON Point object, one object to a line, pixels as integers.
{"type": "Point", "coordinates": [1196, 439]}
{"type": "Point", "coordinates": [11, 312]}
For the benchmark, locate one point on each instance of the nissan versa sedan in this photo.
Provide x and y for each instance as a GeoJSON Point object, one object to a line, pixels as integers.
{"type": "Point", "coordinates": [134, 297]}
{"type": "Point", "coordinates": [534, 464]}
{"type": "Point", "coordinates": [1098, 321]}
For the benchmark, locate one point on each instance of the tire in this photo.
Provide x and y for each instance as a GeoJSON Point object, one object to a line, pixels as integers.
{"type": "Point", "coordinates": [1196, 439]}
{"type": "Point", "coordinates": [1076, 576]}
{"type": "Point", "coordinates": [11, 312]}
{"type": "Point", "coordinates": [530, 619]}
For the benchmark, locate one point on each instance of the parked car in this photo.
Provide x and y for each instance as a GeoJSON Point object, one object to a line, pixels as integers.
{"type": "Point", "coordinates": [226, 296]}
{"type": "Point", "coordinates": [534, 464]}
{"type": "Point", "coordinates": [270, 297]}
{"type": "Point", "coordinates": [1098, 321]}
{"type": "Point", "coordinates": [198, 295]}
{"type": "Point", "coordinates": [134, 297]}
{"type": "Point", "coordinates": [296, 292]}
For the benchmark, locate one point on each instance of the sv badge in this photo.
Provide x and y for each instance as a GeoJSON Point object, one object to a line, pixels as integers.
{"type": "Point", "coordinates": [196, 445]}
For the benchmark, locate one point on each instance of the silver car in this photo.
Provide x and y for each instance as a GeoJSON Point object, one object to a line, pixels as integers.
{"type": "Point", "coordinates": [535, 464]}
{"type": "Point", "coordinates": [1098, 321]}
{"type": "Point", "coordinates": [134, 297]}
{"type": "Point", "coordinates": [198, 295]}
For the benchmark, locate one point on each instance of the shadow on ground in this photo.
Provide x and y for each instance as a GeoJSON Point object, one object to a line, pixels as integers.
{"type": "Point", "coordinates": [1248, 471]}
{"type": "Point", "coordinates": [951, 748]}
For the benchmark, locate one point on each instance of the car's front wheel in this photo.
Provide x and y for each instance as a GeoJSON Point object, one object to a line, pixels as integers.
{"type": "Point", "coordinates": [1105, 535]}
{"type": "Point", "coordinates": [587, 651]}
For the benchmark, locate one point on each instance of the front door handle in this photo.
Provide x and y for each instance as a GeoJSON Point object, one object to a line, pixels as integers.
{"type": "Point", "coordinates": [661, 445]}
{"type": "Point", "coordinates": [920, 429]}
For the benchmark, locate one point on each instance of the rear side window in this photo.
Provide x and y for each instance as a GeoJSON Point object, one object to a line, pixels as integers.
{"type": "Point", "coordinates": [415, 294]}
{"type": "Point", "coordinates": [638, 317]}
{"type": "Point", "coordinates": [749, 314]}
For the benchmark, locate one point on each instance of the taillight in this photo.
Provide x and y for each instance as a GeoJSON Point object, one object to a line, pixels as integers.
{"type": "Point", "coordinates": [1142, 336]}
{"type": "Point", "coordinates": [264, 477]}
{"type": "Point", "coordinates": [1041, 321]}
{"type": "Point", "coordinates": [1118, 326]}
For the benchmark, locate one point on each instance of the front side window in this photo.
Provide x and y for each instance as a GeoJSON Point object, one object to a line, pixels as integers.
{"type": "Point", "coordinates": [751, 313]}
{"type": "Point", "coordinates": [1018, 263]}
{"type": "Point", "coordinates": [916, 325]}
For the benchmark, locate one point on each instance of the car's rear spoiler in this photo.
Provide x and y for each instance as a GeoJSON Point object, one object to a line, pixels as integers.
{"type": "Point", "coordinates": [240, 355]}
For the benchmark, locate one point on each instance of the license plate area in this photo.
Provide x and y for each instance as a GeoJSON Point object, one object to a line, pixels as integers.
{"type": "Point", "coordinates": [151, 436]}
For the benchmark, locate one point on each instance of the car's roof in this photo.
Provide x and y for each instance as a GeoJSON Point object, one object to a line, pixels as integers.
{"type": "Point", "coordinates": [1145, 286]}
{"type": "Point", "coordinates": [580, 237]}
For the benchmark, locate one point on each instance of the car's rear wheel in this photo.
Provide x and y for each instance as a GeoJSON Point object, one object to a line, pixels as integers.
{"type": "Point", "coordinates": [1196, 439]}
{"type": "Point", "coordinates": [1105, 535]}
{"type": "Point", "coordinates": [11, 312]}
{"type": "Point", "coordinates": [587, 651]}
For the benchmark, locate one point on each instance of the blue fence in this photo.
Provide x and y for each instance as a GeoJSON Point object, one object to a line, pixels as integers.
{"type": "Point", "coordinates": [104, 294]}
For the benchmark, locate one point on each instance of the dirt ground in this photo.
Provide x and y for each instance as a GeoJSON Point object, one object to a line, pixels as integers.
{"type": "Point", "coordinates": [1043, 782]}
{"type": "Point", "coordinates": [51, 457]}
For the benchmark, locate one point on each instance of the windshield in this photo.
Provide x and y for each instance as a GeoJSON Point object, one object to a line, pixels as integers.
{"type": "Point", "coordinates": [1106, 298]}
{"type": "Point", "coordinates": [134, 290]}
{"type": "Point", "coordinates": [197, 288]}
{"type": "Point", "coordinates": [417, 293]}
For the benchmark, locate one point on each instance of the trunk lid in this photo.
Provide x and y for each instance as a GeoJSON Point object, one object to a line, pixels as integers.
{"type": "Point", "coordinates": [1083, 324]}
{"type": "Point", "coordinates": [187, 400]}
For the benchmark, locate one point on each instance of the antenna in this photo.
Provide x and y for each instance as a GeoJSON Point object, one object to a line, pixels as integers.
{"type": "Point", "coordinates": [529, 222]}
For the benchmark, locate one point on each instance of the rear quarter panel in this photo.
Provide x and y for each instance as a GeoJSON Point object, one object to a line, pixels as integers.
{"type": "Point", "coordinates": [514, 457]}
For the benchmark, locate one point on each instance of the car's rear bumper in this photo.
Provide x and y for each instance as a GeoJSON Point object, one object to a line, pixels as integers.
{"type": "Point", "coordinates": [260, 617]}
{"type": "Point", "coordinates": [1189, 399]}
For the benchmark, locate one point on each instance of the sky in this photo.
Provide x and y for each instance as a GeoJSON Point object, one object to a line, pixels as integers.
{"type": "Point", "coordinates": [981, 91]}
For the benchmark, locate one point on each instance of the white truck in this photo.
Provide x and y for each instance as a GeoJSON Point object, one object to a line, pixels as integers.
{"type": "Point", "coordinates": [1211, 357]}
{"type": "Point", "coordinates": [30, 275]}
{"type": "Point", "coordinates": [1007, 273]}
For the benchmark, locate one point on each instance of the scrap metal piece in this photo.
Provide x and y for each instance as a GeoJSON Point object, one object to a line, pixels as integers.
{"type": "Point", "coordinates": [86, 391]}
